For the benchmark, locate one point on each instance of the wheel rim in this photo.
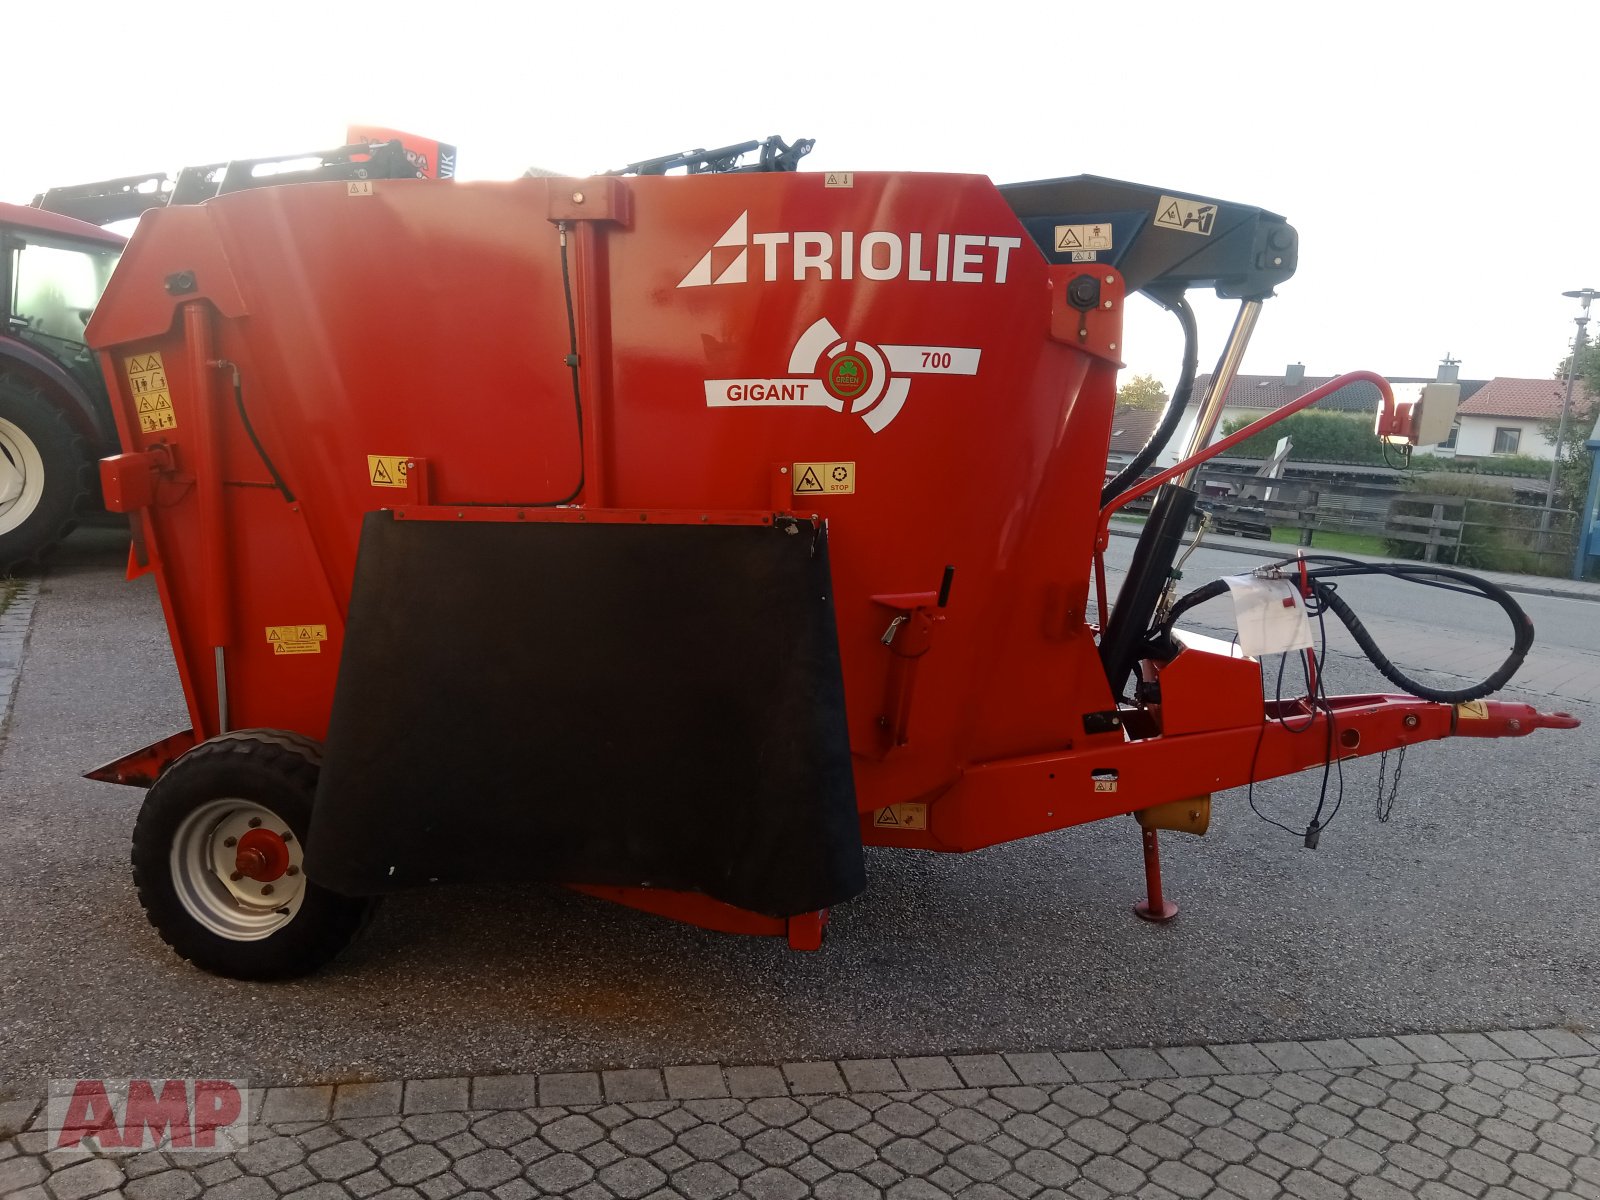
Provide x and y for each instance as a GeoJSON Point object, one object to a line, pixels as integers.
{"type": "Point", "coordinates": [238, 869]}
{"type": "Point", "coordinates": [21, 476]}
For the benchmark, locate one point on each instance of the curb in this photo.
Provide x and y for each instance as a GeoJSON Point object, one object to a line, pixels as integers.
{"type": "Point", "coordinates": [15, 622]}
{"type": "Point", "coordinates": [930, 1073]}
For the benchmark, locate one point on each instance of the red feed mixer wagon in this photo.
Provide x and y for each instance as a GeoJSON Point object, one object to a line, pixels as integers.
{"type": "Point", "coordinates": [673, 538]}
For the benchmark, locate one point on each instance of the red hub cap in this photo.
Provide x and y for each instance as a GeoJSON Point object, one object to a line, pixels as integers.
{"type": "Point", "coordinates": [263, 856]}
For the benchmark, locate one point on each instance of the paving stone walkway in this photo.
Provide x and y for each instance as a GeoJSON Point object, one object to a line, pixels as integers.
{"type": "Point", "coordinates": [1510, 1115]}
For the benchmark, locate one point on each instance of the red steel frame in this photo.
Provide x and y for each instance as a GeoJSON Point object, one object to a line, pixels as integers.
{"type": "Point", "coordinates": [429, 323]}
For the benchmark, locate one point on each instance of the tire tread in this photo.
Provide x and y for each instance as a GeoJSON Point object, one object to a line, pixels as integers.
{"type": "Point", "coordinates": [290, 759]}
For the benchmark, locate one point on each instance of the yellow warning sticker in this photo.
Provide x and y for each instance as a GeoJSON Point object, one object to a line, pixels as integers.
{"type": "Point", "coordinates": [824, 479]}
{"type": "Point", "coordinates": [147, 383]}
{"type": "Point", "coordinates": [387, 470]}
{"type": "Point", "coordinates": [1472, 710]}
{"type": "Point", "coordinates": [296, 639]}
{"type": "Point", "coordinates": [901, 816]}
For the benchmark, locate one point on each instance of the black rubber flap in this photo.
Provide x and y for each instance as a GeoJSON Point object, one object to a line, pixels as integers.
{"type": "Point", "coordinates": [588, 703]}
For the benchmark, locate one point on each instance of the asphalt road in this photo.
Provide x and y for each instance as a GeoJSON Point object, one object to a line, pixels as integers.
{"type": "Point", "coordinates": [1473, 908]}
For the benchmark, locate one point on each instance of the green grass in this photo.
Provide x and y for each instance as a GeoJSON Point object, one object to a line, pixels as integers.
{"type": "Point", "coordinates": [1332, 539]}
{"type": "Point", "coordinates": [10, 589]}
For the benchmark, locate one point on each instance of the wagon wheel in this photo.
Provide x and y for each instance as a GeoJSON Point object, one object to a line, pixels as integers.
{"type": "Point", "coordinates": [218, 857]}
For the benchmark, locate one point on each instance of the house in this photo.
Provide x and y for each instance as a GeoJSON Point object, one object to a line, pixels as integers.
{"type": "Point", "coordinates": [1508, 416]}
{"type": "Point", "coordinates": [1130, 430]}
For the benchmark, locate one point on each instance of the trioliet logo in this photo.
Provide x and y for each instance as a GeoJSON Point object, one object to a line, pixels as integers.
{"type": "Point", "coordinates": [847, 254]}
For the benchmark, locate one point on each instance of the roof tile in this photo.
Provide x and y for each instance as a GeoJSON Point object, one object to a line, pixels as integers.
{"type": "Point", "coordinates": [1533, 399]}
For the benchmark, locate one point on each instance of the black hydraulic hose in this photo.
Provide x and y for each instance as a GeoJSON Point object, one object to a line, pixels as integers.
{"type": "Point", "coordinates": [250, 432]}
{"type": "Point", "coordinates": [1327, 594]}
{"type": "Point", "coordinates": [1123, 633]}
{"type": "Point", "coordinates": [1173, 413]}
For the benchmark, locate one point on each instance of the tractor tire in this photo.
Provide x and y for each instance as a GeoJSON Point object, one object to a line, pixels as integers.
{"type": "Point", "coordinates": [217, 859]}
{"type": "Point", "coordinates": [46, 473]}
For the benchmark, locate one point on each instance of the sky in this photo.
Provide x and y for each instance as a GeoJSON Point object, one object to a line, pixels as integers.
{"type": "Point", "coordinates": [1439, 161]}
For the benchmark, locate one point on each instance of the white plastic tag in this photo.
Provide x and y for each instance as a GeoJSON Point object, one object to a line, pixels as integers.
{"type": "Point", "coordinates": [1269, 614]}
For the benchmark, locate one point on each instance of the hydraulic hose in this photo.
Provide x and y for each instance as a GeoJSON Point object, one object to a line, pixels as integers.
{"type": "Point", "coordinates": [1327, 594]}
{"type": "Point", "coordinates": [1173, 413]}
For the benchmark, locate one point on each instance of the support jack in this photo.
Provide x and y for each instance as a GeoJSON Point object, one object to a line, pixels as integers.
{"type": "Point", "coordinates": [1155, 907]}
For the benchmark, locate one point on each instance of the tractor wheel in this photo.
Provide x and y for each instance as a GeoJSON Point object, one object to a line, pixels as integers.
{"type": "Point", "coordinates": [218, 853]}
{"type": "Point", "coordinates": [46, 476]}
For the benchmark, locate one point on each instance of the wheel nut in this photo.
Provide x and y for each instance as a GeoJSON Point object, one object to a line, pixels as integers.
{"type": "Point", "coordinates": [255, 822]}
{"type": "Point", "coordinates": [292, 871]}
{"type": "Point", "coordinates": [236, 876]}
{"type": "Point", "coordinates": [287, 836]}
{"type": "Point", "coordinates": [267, 890]}
{"type": "Point", "coordinates": [230, 841]}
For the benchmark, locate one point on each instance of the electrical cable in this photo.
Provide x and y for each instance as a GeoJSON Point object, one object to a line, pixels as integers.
{"type": "Point", "coordinates": [1173, 413]}
{"type": "Point", "coordinates": [1327, 595]}
{"type": "Point", "coordinates": [1317, 698]}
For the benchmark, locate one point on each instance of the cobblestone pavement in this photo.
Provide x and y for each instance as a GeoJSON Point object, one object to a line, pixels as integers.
{"type": "Point", "coordinates": [1511, 1114]}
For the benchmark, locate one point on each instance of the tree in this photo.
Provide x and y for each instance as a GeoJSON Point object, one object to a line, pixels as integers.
{"type": "Point", "coordinates": [1142, 391]}
{"type": "Point", "coordinates": [1572, 480]}
{"type": "Point", "coordinates": [1318, 437]}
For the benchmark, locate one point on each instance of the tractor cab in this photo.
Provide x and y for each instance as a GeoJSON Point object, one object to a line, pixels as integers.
{"type": "Point", "coordinates": [55, 419]}
{"type": "Point", "coordinates": [54, 270]}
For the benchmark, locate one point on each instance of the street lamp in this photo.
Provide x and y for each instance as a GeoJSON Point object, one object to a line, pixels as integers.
{"type": "Point", "coordinates": [1583, 295]}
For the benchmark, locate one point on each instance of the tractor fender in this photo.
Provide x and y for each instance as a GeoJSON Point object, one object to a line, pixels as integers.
{"type": "Point", "coordinates": [89, 413]}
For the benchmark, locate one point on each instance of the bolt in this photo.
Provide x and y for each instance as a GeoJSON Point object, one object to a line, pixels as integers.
{"type": "Point", "coordinates": [230, 841]}
{"type": "Point", "coordinates": [577, 197]}
{"type": "Point", "coordinates": [1513, 725]}
{"type": "Point", "coordinates": [236, 876]}
{"type": "Point", "coordinates": [267, 890]}
{"type": "Point", "coordinates": [1111, 278]}
{"type": "Point", "coordinates": [287, 836]}
{"type": "Point", "coordinates": [1107, 304]}
{"type": "Point", "coordinates": [1411, 721]}
{"type": "Point", "coordinates": [255, 822]}
{"type": "Point", "coordinates": [1111, 345]}
{"type": "Point", "coordinates": [292, 871]}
